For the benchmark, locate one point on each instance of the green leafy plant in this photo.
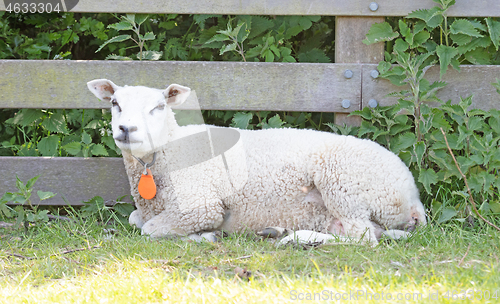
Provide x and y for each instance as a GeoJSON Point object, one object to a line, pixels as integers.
{"type": "Point", "coordinates": [97, 207]}
{"type": "Point", "coordinates": [271, 40]}
{"type": "Point", "coordinates": [23, 198]}
{"type": "Point", "coordinates": [133, 22]}
{"type": "Point", "coordinates": [235, 36]}
{"type": "Point", "coordinates": [35, 132]}
{"type": "Point", "coordinates": [473, 136]}
{"type": "Point", "coordinates": [412, 128]}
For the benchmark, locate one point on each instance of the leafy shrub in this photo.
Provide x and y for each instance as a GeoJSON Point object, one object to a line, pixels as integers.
{"type": "Point", "coordinates": [22, 197]}
{"type": "Point", "coordinates": [34, 132]}
{"type": "Point", "coordinates": [412, 128]}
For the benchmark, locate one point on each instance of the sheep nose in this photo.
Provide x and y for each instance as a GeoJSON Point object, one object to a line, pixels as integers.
{"type": "Point", "coordinates": [126, 129]}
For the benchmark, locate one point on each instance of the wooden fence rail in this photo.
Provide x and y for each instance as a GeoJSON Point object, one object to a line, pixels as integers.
{"type": "Point", "coordinates": [222, 85]}
{"type": "Point", "coordinates": [311, 87]}
{"type": "Point", "coordinates": [463, 8]}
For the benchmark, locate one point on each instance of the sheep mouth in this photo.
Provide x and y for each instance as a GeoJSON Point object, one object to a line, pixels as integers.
{"type": "Point", "coordinates": [126, 141]}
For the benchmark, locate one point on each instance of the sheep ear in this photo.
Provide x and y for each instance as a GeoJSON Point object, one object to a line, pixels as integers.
{"type": "Point", "coordinates": [102, 88]}
{"type": "Point", "coordinates": [176, 94]}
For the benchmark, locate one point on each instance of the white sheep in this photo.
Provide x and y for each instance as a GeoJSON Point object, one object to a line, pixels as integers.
{"type": "Point", "coordinates": [211, 178]}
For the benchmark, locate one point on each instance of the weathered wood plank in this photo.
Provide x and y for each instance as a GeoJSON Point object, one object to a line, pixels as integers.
{"type": "Point", "coordinates": [218, 85]}
{"type": "Point", "coordinates": [74, 179]}
{"type": "Point", "coordinates": [471, 8]}
{"type": "Point", "coordinates": [349, 48]}
{"type": "Point", "coordinates": [472, 79]}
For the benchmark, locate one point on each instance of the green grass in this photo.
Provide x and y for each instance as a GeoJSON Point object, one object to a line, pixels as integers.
{"type": "Point", "coordinates": [439, 261]}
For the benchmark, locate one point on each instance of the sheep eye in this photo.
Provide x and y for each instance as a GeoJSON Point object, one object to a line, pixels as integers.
{"type": "Point", "coordinates": [114, 103]}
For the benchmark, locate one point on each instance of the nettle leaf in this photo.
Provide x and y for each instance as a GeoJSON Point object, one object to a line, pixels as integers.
{"type": "Point", "coordinates": [427, 177]}
{"type": "Point", "coordinates": [445, 54]}
{"type": "Point", "coordinates": [227, 48]}
{"type": "Point", "coordinates": [380, 32]}
{"type": "Point", "coordinates": [481, 181]}
{"type": "Point", "coordinates": [464, 26]}
{"type": "Point", "coordinates": [118, 38]}
{"type": "Point", "coordinates": [366, 127]}
{"type": "Point", "coordinates": [148, 36]}
{"type": "Point", "coordinates": [86, 139]}
{"type": "Point", "coordinates": [305, 22]}
{"type": "Point", "coordinates": [55, 123]}
{"type": "Point", "coordinates": [268, 55]}
{"type": "Point", "coordinates": [124, 209]}
{"type": "Point", "coordinates": [420, 38]}
{"type": "Point", "coordinates": [109, 141]}
{"type": "Point", "coordinates": [447, 214]}
{"type": "Point", "coordinates": [419, 149]}
{"type": "Point", "coordinates": [130, 18]}
{"type": "Point", "coordinates": [150, 55]}
{"type": "Point", "coordinates": [218, 37]}
{"type": "Point", "coordinates": [293, 31]}
{"type": "Point", "coordinates": [435, 207]}
{"type": "Point", "coordinates": [404, 29]}
{"type": "Point", "coordinates": [31, 182]}
{"type": "Point", "coordinates": [140, 18]}
{"type": "Point", "coordinates": [48, 146]}
{"type": "Point", "coordinates": [378, 133]}
{"type": "Point", "coordinates": [494, 123]}
{"type": "Point", "coordinates": [45, 195]}
{"type": "Point", "coordinates": [42, 215]}
{"type": "Point", "coordinates": [94, 124]}
{"type": "Point", "coordinates": [460, 39]}
{"type": "Point", "coordinates": [121, 26]}
{"type": "Point", "coordinates": [26, 117]}
{"type": "Point", "coordinates": [432, 17]}
{"type": "Point", "coordinates": [402, 142]}
{"type": "Point", "coordinates": [274, 122]}
{"type": "Point", "coordinates": [73, 148]}
{"type": "Point", "coordinates": [482, 42]}
{"type": "Point", "coordinates": [439, 121]}
{"type": "Point", "coordinates": [260, 24]}
{"type": "Point", "coordinates": [241, 120]}
{"type": "Point", "coordinates": [494, 30]}
{"type": "Point", "coordinates": [99, 150]}
{"type": "Point", "coordinates": [478, 56]}
{"type": "Point", "coordinates": [200, 19]}
{"type": "Point", "coordinates": [440, 143]}
{"type": "Point", "coordinates": [475, 123]}
{"type": "Point", "coordinates": [465, 163]}
{"type": "Point", "coordinates": [5, 210]}
{"type": "Point", "coordinates": [400, 45]}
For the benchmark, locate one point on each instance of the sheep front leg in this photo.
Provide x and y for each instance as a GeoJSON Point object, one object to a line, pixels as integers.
{"type": "Point", "coordinates": [135, 219]}
{"type": "Point", "coordinates": [361, 229]}
{"type": "Point", "coordinates": [167, 224]}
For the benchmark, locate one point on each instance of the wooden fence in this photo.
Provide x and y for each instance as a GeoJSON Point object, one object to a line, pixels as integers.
{"type": "Point", "coordinates": [223, 85]}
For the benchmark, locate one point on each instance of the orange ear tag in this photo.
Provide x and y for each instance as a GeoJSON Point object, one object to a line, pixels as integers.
{"type": "Point", "coordinates": [147, 186]}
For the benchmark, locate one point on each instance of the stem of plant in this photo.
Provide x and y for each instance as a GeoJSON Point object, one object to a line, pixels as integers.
{"type": "Point", "coordinates": [467, 184]}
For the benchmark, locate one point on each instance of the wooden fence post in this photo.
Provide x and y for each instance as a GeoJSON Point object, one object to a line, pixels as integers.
{"type": "Point", "coordinates": [349, 48]}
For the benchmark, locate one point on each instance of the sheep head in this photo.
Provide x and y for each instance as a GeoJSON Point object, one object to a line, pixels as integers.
{"type": "Point", "coordinates": [142, 118]}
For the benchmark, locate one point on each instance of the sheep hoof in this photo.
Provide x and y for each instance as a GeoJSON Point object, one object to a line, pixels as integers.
{"type": "Point", "coordinates": [305, 238]}
{"type": "Point", "coordinates": [397, 234]}
{"type": "Point", "coordinates": [212, 237]}
{"type": "Point", "coordinates": [272, 232]}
